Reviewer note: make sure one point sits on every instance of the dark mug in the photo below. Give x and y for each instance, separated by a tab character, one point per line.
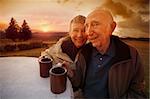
45	65
58	79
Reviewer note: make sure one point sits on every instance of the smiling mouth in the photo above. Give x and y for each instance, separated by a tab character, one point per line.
79	39
92	38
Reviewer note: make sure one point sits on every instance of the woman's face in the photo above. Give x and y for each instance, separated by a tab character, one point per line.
77	34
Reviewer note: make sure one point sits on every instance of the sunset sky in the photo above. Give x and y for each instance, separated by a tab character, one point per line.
132	16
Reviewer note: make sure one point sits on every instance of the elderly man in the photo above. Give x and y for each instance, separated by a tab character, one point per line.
107	67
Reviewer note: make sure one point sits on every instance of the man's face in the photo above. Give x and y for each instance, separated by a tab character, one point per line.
98	29
77	34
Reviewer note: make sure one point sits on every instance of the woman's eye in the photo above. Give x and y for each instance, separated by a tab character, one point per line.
83	30
75	30
86	26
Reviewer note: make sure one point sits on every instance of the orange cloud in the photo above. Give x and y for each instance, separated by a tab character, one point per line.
3	26
135	17
118	8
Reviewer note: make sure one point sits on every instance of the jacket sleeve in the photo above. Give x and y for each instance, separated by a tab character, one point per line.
54	51
78	74
50	52
137	85
46	53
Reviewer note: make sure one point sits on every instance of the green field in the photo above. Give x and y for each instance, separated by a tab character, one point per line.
29	53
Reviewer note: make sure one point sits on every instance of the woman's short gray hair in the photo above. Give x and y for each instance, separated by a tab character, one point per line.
78	19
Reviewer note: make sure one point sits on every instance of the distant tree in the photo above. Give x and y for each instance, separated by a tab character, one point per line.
25	31
13	30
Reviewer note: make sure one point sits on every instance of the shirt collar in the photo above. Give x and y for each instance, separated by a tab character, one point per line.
110	51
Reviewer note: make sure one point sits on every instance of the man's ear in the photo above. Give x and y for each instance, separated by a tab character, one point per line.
113	26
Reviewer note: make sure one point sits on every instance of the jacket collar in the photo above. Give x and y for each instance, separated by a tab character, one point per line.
122	50
58	50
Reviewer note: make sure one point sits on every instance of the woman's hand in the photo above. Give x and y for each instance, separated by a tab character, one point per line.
70	72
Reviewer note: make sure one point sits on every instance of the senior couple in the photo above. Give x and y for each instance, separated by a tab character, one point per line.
99	64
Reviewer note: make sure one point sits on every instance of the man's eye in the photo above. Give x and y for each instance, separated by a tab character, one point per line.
95	24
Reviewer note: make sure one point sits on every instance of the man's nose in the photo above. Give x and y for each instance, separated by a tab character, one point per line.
89	30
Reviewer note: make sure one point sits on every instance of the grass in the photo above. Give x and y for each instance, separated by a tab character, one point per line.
29	53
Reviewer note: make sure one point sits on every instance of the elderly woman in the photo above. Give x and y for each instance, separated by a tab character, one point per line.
66	49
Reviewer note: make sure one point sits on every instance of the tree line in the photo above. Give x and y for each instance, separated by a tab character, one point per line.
15	32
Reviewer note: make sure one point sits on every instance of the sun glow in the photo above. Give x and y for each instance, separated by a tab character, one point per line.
46	28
